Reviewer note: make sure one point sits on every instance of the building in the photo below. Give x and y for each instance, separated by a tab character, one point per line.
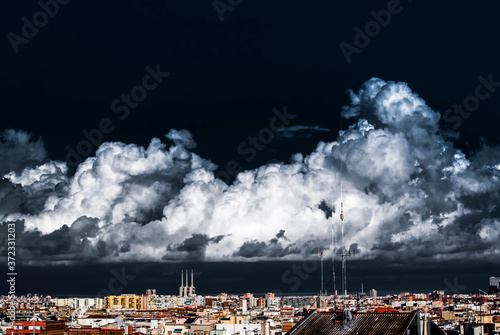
494	285
318	323
26	328
373	293
93	331
244	306
78	302
286	312
222	297
200	300
99	320
54	328
168	301
298	301
273	302
126	301
231	328
151	299
189	326
68	302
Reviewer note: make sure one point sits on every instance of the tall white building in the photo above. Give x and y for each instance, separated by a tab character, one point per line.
274	302
244	306
167	301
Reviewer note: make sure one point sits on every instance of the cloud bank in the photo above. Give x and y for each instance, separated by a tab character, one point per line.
408	193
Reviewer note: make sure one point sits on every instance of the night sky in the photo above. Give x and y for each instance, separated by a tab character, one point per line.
159	135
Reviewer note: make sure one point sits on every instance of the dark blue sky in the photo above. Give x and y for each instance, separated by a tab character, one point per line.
284	278
225	78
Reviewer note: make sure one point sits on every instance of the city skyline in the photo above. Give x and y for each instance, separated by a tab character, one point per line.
225	314
163	136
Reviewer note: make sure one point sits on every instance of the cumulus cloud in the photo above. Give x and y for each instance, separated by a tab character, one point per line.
18	150
19	154
408	194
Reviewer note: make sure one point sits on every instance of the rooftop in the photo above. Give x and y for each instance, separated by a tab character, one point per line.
361	323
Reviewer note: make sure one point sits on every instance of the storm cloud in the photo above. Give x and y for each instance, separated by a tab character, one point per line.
408	194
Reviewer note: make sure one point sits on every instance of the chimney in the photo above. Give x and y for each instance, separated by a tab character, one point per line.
181	289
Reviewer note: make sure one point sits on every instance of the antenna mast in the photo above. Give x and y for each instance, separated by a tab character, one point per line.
320	254
333	253
343	253
344	282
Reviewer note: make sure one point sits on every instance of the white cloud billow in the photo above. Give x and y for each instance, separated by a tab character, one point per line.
408	194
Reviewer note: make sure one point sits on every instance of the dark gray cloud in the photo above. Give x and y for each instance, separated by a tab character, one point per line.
182	137
192	248
272	249
354	249
252	249
298	131
196	242
62	246
19	150
281	234
327	209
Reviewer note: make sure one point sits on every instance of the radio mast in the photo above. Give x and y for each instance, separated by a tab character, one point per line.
344	282
343	254
321	253
334	240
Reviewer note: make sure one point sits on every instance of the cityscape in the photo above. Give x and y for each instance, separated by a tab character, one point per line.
224	314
